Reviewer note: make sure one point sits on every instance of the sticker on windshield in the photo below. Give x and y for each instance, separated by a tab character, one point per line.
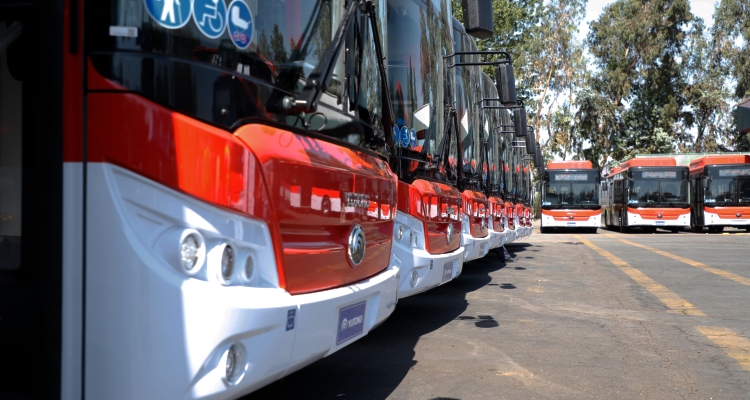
210	16
240	24
412	138
171	14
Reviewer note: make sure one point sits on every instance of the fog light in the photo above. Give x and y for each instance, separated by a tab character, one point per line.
227	263
233	364
189	251
414	278
400	233
249	268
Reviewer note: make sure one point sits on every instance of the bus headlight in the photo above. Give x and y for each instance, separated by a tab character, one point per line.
192	250
227	263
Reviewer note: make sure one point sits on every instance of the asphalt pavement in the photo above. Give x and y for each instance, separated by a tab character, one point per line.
577	315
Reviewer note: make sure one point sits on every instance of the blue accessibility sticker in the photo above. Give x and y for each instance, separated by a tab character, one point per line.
210	17
240	24
171	14
404	136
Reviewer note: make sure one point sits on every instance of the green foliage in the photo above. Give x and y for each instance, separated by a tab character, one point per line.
641	91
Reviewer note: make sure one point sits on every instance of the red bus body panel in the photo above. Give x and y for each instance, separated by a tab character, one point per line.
437	205
476	206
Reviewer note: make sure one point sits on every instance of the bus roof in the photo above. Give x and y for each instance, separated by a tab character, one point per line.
698	164
649	162
569	165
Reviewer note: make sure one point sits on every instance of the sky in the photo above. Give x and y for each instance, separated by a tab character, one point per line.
700	8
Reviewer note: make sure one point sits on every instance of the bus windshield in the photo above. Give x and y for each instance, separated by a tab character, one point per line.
652	188
417	41
728	186
570	189
228	62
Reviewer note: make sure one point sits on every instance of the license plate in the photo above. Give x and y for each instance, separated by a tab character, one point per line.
739	221
660	222
447	271
351	322
571	224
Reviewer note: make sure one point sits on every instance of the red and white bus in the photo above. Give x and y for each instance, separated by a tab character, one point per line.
427	232
172	160
720	192
570	196
647	193
475	237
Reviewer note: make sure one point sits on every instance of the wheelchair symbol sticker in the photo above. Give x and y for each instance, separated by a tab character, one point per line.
240	24
210	16
171	14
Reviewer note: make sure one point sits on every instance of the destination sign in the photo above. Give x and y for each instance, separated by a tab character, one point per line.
734	172
659	174
571	177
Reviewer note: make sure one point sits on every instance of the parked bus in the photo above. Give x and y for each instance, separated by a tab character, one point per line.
475	236
186	159
648	193
492	141
427	233
720	186
570	196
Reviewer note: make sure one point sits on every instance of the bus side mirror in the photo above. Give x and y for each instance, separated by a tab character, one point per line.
704	182
519	122
626	184
531	142
505	82
478	18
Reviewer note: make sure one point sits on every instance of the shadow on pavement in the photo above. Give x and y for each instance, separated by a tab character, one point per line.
374	366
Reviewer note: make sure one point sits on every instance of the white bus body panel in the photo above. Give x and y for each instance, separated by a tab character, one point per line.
154	331
635	219
497	239
432	269
710	218
548	221
474	248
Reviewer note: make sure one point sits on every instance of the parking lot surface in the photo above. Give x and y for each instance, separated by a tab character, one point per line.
577	315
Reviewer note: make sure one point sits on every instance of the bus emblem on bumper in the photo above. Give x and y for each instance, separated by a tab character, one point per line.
357	242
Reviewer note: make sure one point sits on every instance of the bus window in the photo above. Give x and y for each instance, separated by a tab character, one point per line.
10	158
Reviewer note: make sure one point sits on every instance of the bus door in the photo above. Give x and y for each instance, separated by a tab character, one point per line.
30	200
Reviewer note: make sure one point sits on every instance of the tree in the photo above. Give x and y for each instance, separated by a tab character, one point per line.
731	37
639	87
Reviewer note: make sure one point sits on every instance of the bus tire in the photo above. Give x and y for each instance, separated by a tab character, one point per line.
543	229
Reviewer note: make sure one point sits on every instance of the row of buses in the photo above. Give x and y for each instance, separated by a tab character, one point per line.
200	197
671	192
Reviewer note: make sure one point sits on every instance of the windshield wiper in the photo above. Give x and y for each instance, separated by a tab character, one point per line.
317	82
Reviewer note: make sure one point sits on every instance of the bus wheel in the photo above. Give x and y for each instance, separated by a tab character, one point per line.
624	229
543	229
